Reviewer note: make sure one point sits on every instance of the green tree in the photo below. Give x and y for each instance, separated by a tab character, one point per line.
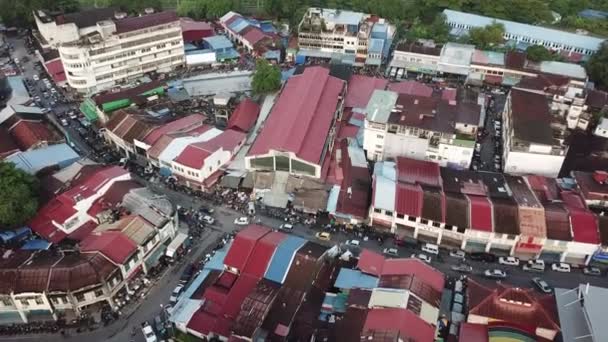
487	36
438	30
266	77
597	67
18	195
538	53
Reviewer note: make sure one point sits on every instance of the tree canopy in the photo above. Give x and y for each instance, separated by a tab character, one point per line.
438	30
597	67
538	53
266	77
18	195
206	9
487	36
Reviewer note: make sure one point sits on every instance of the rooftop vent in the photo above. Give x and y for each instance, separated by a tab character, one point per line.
120	15
149	10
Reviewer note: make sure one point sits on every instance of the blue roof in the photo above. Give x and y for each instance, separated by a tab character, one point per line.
190	47
267	27
593	14
282	258
334	303
272	54
348	279
17	234
239	25
525	30
227	54
36	160
215	263
376	45
36	244
379	31
218	42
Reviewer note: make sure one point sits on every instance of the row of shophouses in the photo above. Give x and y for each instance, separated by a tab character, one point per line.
525	216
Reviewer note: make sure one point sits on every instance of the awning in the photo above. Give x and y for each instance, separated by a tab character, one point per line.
154	257
230	181
212	179
248	181
177	242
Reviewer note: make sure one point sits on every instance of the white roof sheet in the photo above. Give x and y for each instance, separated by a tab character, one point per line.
564	69
342	17
531	31
380	105
177	146
457	54
385	185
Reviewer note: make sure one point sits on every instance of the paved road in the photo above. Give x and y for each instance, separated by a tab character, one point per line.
488	147
57	110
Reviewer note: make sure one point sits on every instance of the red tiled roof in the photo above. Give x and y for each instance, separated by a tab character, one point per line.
481	213
409	326
411	88
183	124
591	188
195	30
471	332
360	89
370	262
545	188
573	199
125	94
202	322
28	134
558	222
114	245
7	145
55	69
144	21
413	171
409	199
584	225
262	253
302	116
243	286
194	155
83	231
243	245
253	35
244	116
113	196
417	268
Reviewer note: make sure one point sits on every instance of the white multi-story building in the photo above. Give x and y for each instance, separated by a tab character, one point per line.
534	138
418	127
325	31
99	51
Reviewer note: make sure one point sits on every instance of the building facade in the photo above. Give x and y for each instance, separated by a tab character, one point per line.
116	50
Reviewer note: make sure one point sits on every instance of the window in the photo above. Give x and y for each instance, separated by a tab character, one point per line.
98	293
379	136
388	213
39	301
423	221
411	218
7	302
436	224
80	297
400	216
376	210
24	302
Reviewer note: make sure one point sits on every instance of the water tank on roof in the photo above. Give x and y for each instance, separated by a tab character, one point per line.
120	15
149	10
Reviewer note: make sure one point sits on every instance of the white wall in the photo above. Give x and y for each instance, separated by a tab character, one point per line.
200	58
405	146
533	163
455	155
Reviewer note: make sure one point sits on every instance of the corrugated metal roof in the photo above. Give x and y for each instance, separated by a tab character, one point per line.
506	216
414	267
218	42
370	262
348	279
409	200
262	253
33	161
384	183
243	246
380	105
524	30
401	324
255	308
282	258
415	171
584	226
360	90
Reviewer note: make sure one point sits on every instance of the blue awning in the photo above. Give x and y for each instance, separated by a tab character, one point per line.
36	244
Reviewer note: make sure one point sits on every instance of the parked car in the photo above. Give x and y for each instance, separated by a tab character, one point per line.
286	226
464	268
458	254
325	236
64	122
482	256
187	274
594	271
175	294
353	242
495	274
431	248
390	251
149	334
422	256
206	210
208	219
561	267
36	78
534	266
511	261
241	221
542	285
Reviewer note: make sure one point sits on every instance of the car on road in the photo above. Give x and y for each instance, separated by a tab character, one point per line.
205	210
534	265
325	236
482	256
458	254
241	221
159	326
511	261
390	251
495	274
36	78
208	219
561	267
594	271
64	122
353	243
464	268
149	334
542	285
422	256
286	226
175	294
431	248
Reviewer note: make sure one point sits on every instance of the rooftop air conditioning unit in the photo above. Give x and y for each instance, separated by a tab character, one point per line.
120	15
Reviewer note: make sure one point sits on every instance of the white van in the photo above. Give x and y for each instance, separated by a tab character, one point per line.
431	248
